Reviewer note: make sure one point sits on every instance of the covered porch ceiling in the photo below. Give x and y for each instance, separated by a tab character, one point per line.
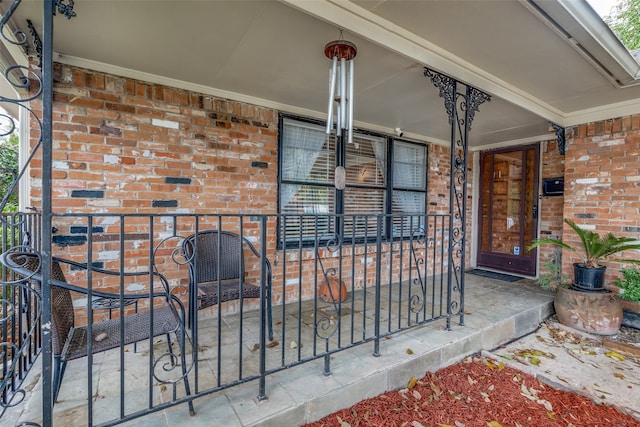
541	60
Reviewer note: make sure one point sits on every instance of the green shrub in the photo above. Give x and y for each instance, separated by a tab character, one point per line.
629	284
9	171
553	277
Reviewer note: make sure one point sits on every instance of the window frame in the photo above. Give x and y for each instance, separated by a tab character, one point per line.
338	204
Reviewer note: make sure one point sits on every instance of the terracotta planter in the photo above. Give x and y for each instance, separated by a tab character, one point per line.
332	290
594	312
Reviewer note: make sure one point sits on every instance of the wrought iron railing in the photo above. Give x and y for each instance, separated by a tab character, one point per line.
20	312
343	291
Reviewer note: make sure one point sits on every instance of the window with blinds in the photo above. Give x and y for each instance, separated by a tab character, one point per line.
307	192
409	188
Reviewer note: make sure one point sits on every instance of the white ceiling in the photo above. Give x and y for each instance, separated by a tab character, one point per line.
271	53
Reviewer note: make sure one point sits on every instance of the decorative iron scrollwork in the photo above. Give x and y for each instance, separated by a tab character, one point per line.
327	321
475	97
30	310
37	43
446	85
561	137
461	108
65	9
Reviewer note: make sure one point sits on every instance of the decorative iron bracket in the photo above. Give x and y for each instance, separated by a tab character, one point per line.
446	85
64	9
561	136
475	98
37	42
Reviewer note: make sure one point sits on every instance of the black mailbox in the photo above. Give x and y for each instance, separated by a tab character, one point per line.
553	186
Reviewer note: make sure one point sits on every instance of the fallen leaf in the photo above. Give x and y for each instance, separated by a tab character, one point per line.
293	344
436	390
273	344
255	347
459	424
343	423
471	380
444	425
416	424
417	394
614	355
546	404
494	424
412	383
489	364
618	375
409	351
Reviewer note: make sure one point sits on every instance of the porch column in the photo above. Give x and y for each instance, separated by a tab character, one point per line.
461	102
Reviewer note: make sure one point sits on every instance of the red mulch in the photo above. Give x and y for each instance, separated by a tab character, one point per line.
477	393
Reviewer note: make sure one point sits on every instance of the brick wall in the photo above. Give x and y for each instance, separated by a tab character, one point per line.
551	207
602	182
127	146
122	145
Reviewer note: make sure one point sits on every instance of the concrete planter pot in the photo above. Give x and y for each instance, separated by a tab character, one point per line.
630	313
593	312
630	309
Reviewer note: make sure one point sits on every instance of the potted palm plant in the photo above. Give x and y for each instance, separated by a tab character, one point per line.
589	274
586	305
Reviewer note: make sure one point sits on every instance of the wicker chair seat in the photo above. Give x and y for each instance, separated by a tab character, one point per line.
229	290
106	334
218	258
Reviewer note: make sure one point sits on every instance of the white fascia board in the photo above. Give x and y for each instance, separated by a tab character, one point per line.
611	111
353	18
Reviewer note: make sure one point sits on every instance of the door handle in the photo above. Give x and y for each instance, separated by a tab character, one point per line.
535	211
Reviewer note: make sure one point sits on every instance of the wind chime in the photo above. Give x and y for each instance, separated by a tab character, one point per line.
342	54
341	86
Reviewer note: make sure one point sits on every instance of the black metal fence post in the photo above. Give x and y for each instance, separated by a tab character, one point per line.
47	133
262	395
376	346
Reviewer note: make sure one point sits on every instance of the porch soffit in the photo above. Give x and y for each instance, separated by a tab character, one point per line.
267	52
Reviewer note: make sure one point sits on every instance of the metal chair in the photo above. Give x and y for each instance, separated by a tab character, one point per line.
222	251
69	341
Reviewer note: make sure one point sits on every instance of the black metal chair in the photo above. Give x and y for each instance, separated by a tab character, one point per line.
223	252
69	341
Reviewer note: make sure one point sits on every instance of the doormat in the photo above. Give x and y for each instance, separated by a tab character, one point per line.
494	275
